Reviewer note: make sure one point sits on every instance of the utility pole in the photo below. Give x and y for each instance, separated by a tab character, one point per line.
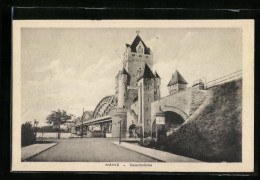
82	118
35	128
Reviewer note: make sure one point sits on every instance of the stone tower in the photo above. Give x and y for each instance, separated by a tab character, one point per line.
157	86
177	83
146	83
122	80
119	113
135	56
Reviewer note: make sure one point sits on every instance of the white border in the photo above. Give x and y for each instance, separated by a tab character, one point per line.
247	164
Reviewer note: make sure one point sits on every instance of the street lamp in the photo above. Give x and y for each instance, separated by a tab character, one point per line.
120	131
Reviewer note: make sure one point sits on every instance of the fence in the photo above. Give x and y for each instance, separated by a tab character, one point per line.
223	79
53	135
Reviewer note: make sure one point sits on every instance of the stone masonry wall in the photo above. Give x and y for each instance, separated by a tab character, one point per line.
197	98
188	101
136	61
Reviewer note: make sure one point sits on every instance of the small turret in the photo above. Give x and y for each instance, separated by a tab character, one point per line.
177	83
122	87
157	86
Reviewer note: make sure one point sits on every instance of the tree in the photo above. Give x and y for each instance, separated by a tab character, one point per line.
57	118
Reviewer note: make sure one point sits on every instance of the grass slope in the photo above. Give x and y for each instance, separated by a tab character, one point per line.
214	133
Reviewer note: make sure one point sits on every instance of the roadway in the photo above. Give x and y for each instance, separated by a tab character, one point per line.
89	150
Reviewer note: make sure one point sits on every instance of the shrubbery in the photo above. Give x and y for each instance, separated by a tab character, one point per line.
214	134
28	135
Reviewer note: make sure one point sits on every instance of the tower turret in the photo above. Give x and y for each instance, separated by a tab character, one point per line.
177	83
146	83
157	86
122	87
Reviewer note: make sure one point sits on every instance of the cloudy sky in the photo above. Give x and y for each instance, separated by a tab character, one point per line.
72	69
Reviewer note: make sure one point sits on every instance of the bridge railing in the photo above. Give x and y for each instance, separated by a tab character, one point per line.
223	79
118	110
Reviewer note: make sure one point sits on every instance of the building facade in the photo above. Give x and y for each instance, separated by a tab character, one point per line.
136	88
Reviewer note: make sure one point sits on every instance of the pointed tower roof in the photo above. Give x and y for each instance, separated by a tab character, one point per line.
123	71
145	73
177	78
136	42
156	75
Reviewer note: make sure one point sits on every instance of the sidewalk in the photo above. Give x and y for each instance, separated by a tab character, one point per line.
35	149
156	154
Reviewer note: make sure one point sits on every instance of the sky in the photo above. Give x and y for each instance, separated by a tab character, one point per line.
74	68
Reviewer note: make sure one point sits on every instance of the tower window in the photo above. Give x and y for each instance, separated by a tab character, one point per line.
133	55
140	55
140	49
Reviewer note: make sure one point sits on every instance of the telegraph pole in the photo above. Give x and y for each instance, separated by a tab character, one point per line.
82	118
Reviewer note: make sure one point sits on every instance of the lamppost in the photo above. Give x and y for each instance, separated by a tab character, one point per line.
120	131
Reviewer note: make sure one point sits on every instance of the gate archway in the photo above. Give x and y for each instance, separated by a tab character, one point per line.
174	117
172	121
132	130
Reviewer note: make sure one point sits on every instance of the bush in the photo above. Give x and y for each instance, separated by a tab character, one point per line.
149	142
28	136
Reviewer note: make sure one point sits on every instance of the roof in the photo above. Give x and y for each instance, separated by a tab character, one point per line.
123	71
156	75
177	78
127	45
145	73
136	42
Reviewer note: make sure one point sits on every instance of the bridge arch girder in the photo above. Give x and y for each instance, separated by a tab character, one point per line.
104	106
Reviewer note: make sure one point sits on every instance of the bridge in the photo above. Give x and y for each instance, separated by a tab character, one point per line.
101	117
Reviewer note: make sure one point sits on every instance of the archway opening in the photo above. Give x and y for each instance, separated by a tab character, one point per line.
132	130
172	121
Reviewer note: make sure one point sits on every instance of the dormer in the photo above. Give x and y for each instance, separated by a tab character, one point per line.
140	48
